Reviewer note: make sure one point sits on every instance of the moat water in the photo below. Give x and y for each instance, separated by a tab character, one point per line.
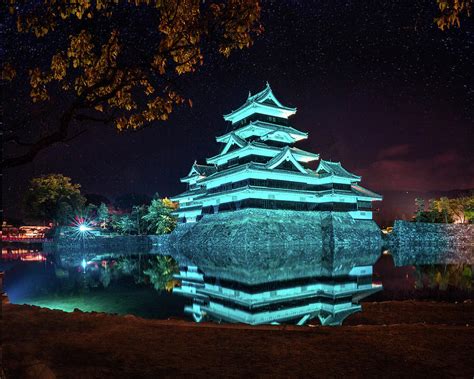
156	286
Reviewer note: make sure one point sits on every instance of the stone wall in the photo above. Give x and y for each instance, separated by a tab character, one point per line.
281	243
250	228
259	243
429	243
101	244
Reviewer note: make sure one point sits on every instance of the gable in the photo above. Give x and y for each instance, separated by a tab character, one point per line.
233	143
322	170
193	171
286	161
287	165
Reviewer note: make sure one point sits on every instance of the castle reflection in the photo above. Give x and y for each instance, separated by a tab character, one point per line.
310	284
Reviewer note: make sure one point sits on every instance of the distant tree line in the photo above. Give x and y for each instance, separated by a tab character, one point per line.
55	198
445	210
155	218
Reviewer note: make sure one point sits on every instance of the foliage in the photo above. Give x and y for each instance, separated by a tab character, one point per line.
161	273
122	61
130	223
123	224
462	208
159	216
105	277
443	277
444	210
419	210
53	198
126	265
103	215
130	266
443	207
138	212
458	209
451	11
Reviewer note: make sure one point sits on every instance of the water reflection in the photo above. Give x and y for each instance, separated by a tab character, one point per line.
331	299
445	282
411	254
23	254
291	284
275	285
119	283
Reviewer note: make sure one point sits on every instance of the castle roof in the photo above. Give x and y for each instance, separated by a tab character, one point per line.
263	129
199	170
259	148
335	168
359	190
205	170
262	102
285	155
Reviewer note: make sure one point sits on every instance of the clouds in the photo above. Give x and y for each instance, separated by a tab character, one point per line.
394	151
395	170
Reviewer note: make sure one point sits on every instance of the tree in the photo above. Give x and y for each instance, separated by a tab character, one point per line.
461	207
419	210
432	213
107	62
138	211
123	224
442	205
53	198
451	12
103	215
159	216
469	208
161	272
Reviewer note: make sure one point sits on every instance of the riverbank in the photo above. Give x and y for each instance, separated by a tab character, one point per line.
390	339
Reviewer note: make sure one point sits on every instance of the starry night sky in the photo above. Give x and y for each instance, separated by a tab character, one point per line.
377	86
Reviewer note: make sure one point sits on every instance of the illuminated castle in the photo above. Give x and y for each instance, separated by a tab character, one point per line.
258	167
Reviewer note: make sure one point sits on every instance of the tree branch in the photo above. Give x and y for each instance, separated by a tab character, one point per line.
59	135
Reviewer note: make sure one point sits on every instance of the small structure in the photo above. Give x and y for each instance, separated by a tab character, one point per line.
259	167
25	234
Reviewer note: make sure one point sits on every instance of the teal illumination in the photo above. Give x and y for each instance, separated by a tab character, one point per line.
259	167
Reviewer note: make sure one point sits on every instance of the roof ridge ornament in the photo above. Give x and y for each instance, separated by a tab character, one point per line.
264	102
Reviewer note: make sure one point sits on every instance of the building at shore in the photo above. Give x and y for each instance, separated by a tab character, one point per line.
258	166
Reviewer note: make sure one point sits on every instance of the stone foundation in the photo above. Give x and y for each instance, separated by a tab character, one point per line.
275	244
427	243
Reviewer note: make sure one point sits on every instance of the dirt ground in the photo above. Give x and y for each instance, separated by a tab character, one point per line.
388	339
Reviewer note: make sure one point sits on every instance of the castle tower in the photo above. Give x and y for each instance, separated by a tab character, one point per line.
259	167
